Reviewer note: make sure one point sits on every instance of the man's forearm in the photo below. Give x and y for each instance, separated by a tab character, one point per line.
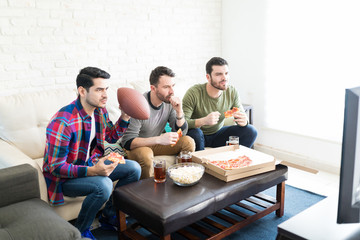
143	142
199	122
180	119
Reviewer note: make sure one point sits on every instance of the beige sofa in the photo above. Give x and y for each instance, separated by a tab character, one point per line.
23	121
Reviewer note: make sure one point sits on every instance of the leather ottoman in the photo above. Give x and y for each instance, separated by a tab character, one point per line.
165	207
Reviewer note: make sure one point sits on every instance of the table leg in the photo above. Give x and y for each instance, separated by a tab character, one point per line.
280	198
121	224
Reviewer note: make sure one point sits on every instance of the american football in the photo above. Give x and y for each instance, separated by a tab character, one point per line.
133	103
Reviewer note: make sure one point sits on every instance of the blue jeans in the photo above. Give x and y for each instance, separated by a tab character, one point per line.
247	136
98	190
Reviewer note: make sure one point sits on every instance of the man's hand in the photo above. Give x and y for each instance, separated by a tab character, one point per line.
168	138
101	169
212	118
176	104
240	118
123	115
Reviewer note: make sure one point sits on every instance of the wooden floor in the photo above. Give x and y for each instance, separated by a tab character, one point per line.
322	183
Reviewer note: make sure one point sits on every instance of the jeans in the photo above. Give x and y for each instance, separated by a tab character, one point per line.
98	190
247	136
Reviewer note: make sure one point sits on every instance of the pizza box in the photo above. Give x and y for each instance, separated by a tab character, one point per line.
229	178
261	162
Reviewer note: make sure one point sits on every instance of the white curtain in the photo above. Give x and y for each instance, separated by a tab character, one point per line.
312	55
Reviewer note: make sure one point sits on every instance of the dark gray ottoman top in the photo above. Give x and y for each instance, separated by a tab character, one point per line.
166	207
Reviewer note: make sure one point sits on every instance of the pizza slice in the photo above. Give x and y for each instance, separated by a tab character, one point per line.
116	158
230	113
235	163
224	164
179	132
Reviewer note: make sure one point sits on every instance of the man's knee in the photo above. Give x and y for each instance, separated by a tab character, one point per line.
144	156
252	131
187	143
198	136
247	135
135	168
104	188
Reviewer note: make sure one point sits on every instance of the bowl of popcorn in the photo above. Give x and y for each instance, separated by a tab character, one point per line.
186	174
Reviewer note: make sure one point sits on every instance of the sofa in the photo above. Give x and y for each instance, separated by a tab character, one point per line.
23	214
23	121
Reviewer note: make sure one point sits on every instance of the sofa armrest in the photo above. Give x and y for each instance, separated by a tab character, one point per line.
12	156
18	183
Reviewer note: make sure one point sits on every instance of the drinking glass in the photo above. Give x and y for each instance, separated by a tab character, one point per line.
159	170
185	156
233	140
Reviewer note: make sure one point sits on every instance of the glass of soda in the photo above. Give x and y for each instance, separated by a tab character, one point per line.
185	156
233	140
159	170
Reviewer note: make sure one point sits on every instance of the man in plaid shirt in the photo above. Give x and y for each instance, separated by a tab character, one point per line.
74	164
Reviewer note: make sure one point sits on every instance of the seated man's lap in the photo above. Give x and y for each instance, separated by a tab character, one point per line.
185	143
145	155
198	137
126	173
129	172
87	185
247	136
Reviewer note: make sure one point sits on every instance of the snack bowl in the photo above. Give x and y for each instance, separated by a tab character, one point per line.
186	174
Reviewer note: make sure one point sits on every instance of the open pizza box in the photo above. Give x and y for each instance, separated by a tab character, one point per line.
261	162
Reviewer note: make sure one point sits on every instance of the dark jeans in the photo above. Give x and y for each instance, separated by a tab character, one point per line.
247	136
98	190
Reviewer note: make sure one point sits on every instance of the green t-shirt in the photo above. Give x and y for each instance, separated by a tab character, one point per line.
197	104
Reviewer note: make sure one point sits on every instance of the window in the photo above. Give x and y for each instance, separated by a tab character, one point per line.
312	55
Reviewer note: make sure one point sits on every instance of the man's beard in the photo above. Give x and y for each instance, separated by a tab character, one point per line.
165	99
218	86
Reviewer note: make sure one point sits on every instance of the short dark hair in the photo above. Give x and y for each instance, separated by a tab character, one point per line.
217	61
158	72
86	75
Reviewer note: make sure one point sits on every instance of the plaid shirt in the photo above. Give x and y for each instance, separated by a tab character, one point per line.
67	142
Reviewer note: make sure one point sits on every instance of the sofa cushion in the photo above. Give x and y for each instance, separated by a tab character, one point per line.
115	147
18	184
24	118
34	219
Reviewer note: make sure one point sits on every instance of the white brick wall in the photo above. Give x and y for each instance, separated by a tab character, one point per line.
44	43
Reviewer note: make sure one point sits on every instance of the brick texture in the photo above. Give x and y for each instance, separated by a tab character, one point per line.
43	44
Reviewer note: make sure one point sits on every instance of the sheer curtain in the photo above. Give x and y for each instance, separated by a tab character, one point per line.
312	55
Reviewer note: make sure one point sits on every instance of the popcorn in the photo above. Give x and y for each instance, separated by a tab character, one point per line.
186	174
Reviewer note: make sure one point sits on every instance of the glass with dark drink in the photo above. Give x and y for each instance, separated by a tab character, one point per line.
185	156
233	140
159	170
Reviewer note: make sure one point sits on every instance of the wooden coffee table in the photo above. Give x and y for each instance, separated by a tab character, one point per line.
165	208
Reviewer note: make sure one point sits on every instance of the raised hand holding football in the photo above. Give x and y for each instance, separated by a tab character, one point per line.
133	103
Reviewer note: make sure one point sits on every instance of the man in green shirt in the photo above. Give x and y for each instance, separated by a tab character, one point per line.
204	106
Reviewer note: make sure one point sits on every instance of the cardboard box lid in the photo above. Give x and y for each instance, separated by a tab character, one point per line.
259	159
